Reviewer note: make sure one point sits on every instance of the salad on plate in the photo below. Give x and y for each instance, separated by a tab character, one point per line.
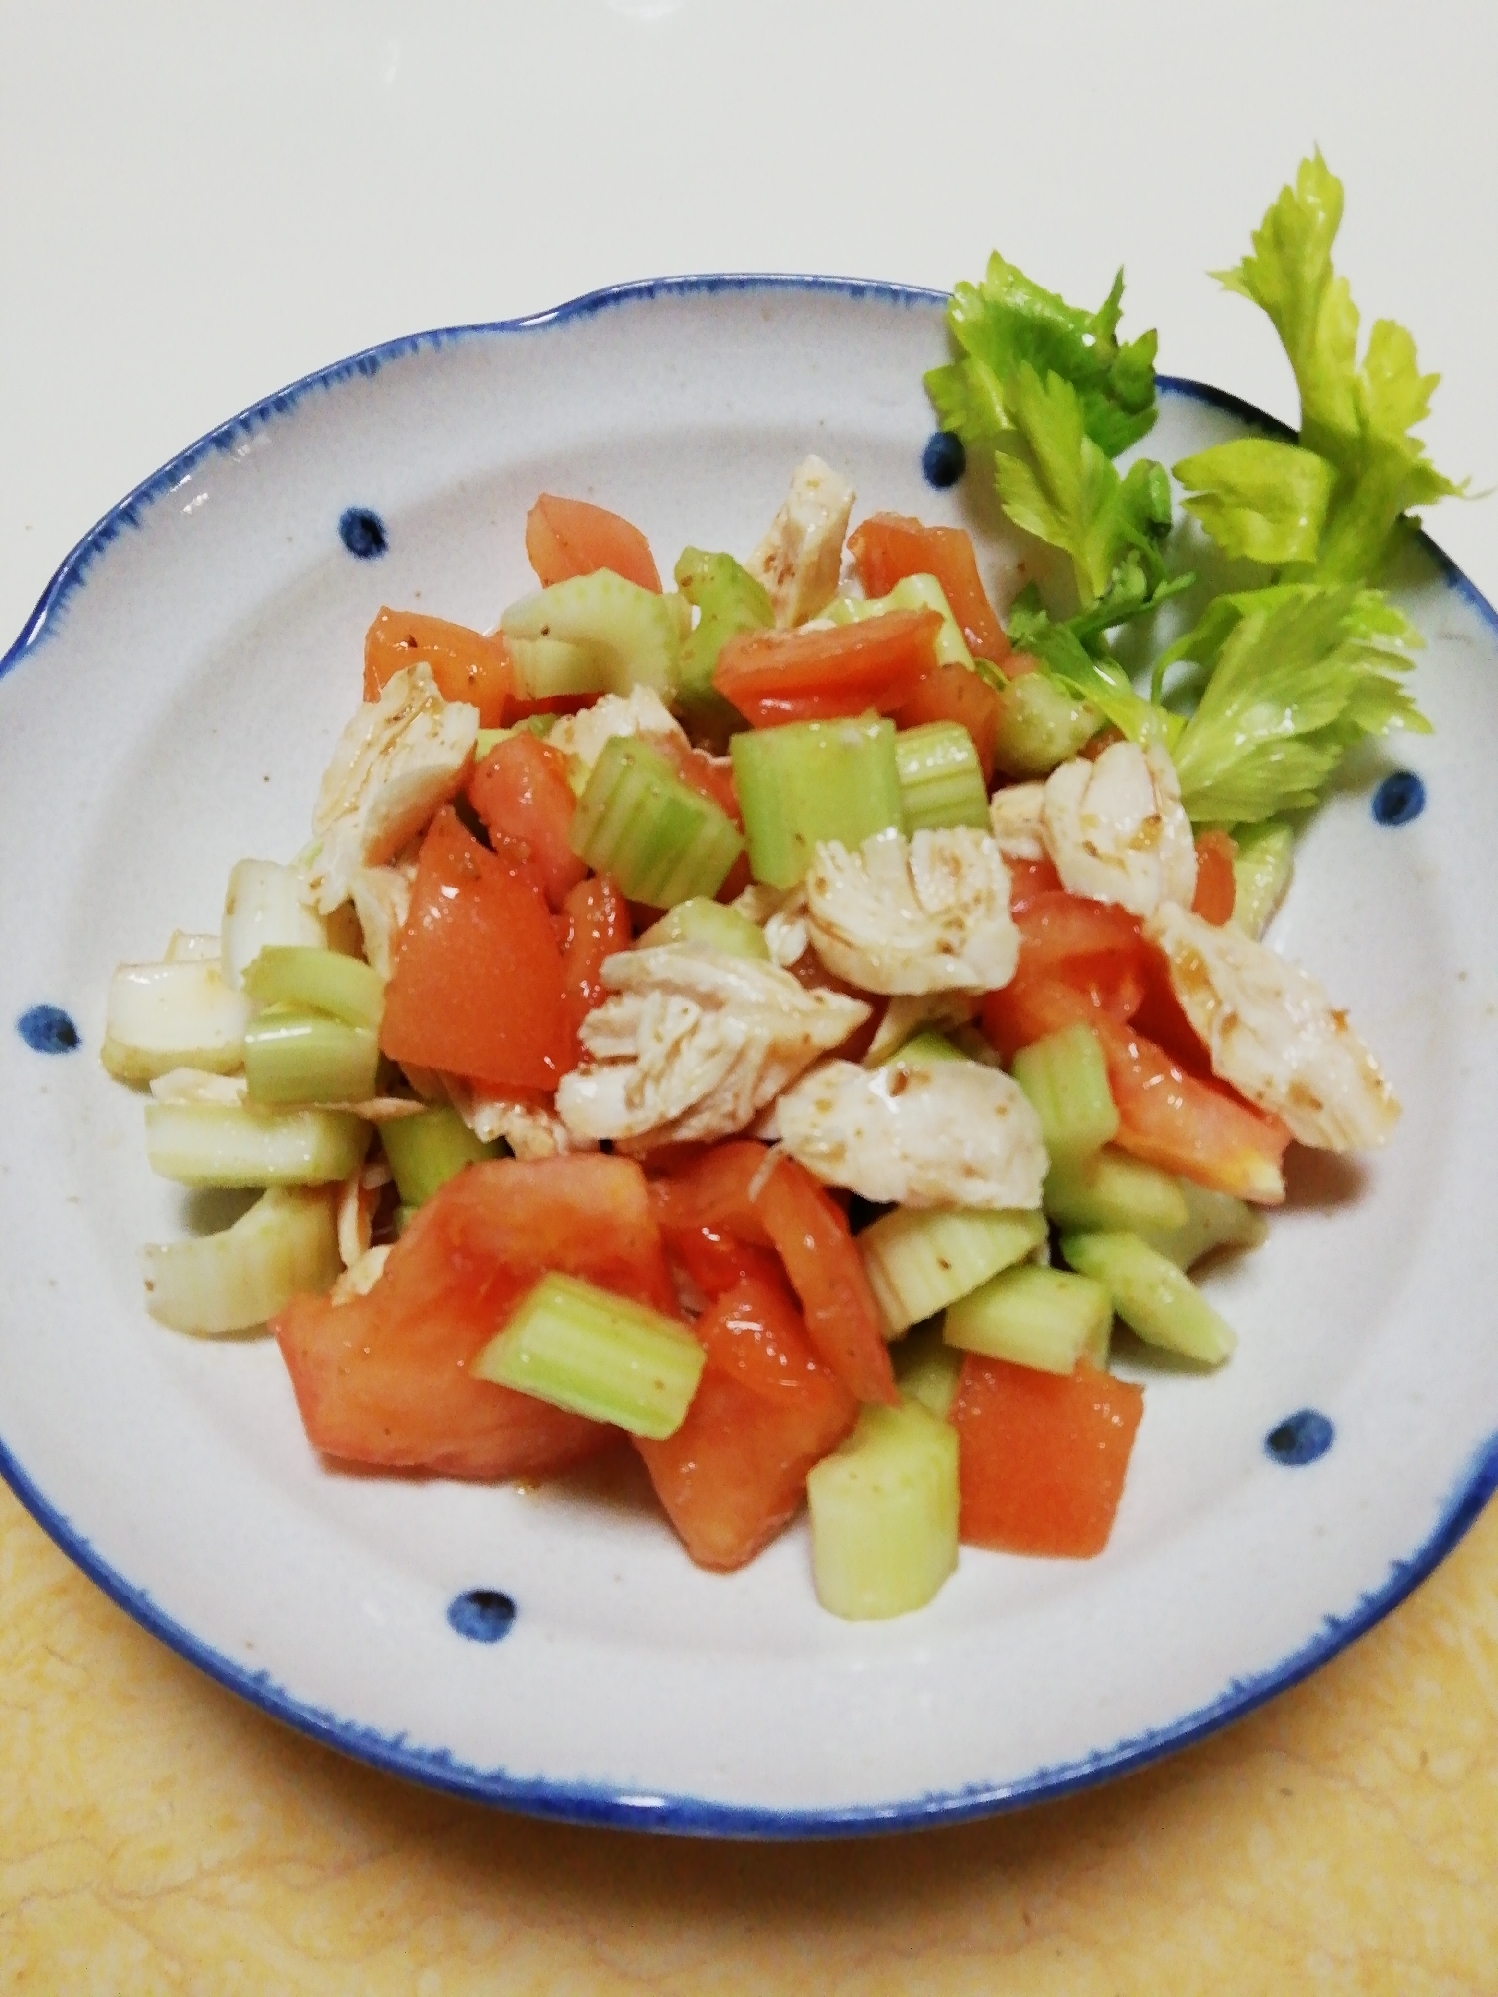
790	1018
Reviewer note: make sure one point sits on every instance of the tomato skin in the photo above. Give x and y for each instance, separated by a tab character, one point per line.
889	546
1043	1456
716	1260
1055	928
811	1234
465	664
478	984
383	1378
520	791
713	1190
597	923
755	1332
1216	884
953	693
1029	879
822	675
572	537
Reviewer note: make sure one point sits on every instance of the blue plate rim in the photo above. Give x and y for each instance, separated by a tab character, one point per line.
606	1806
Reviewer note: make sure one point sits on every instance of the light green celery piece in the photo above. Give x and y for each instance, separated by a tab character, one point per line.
1297	681
1152	1296
325	980
636	635
925	1045
884	1514
1065	1076
292	1055
285	1246
1041	724
487	739
708	925
1262	866
1045	1318
1259	498
1213	1220
546	668
728	601
598	1354
174	1015
656	837
927	1369
1358	416
941	779
265	903
216	1144
811	781
427	1150
920	1260
918	592
1113	1191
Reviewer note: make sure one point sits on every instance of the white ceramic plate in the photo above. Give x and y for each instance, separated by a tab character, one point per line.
170	708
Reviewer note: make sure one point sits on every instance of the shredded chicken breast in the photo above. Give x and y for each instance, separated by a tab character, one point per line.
531	1129
639	712
1015	814
800	559
928	914
1116	829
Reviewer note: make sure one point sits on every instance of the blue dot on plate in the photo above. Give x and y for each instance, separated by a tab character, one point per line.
1300	1438
943	460
483	1615
47	1029
362	533
1399	798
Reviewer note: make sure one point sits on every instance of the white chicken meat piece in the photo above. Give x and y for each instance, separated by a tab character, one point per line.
382	900
694	1044
923	1133
639	712
800	560
928	914
1271	1032
397	763
531	1129
1116	829
1014	817
781	914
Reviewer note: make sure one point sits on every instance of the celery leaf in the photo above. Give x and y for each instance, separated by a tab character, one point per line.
1260	499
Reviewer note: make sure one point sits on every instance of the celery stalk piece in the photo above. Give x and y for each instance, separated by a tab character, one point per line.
729	600
213	1144
1213	1220
927	1368
1046	1318
1262	867
635	635
546	667
292	1055
323	980
918	592
884	1514
425	1151
285	1246
925	1045
1113	1192
708	925
1151	1295
265	903
661	841
600	1355
1065	1077
810	781
176	1015
941	779
487	739
1041	725
919	1261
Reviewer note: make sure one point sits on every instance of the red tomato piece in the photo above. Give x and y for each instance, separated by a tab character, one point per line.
815	1243
889	546
713	1190
755	1332
1028	879
572	537
383	1378
717	1260
520	791
952	693
1043	1456
598	925
478	984
818	675
465	664
1216	884
1055	928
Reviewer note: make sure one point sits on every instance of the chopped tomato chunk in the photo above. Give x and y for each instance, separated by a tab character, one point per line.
953	693
520	791
713	1190
478	985
889	546
1216	884
1043	1456
1029	879
383	1379
716	1259
597	923
815	1243
465	664
818	675
572	537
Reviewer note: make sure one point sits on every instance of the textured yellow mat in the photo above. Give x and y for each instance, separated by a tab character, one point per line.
158	1836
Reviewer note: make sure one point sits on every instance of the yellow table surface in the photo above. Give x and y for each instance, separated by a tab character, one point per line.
156	1835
